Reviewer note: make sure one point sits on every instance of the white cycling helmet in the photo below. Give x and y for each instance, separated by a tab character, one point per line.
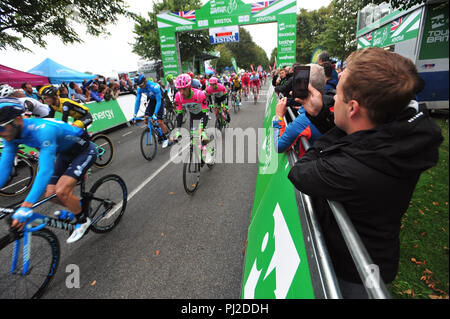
6	90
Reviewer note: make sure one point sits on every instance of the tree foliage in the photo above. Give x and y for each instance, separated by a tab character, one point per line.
310	25
246	52
147	39
35	19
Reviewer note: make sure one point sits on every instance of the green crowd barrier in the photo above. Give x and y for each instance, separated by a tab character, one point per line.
276	263
105	115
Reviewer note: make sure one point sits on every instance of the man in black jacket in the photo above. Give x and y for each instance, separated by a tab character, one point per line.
370	161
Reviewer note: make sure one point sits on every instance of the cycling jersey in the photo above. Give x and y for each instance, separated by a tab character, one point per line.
153	92
50	137
245	80
197	106
236	83
32	106
80	113
217	93
220	94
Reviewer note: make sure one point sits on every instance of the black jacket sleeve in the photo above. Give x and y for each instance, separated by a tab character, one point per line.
324	121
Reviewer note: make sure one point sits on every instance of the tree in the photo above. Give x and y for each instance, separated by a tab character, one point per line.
273	56
147	43
246	52
310	25
35	19
225	58
339	38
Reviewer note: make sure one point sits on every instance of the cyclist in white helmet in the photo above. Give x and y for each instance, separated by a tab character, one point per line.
32	106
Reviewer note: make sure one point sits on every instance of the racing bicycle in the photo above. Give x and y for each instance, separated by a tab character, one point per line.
151	136
29	258
196	159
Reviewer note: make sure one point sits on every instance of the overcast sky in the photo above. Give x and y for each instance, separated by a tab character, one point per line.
109	54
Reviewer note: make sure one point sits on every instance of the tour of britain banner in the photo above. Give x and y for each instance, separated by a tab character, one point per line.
224	13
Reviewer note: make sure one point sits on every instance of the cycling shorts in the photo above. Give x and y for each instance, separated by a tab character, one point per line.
74	163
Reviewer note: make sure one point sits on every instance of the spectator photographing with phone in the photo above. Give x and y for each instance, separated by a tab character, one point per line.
370	161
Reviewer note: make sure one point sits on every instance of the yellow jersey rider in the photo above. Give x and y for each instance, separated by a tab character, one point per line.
80	113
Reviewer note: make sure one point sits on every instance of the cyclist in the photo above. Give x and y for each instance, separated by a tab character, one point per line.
245	80
220	94
170	87
196	103
31	105
236	86
65	156
155	106
80	113
254	81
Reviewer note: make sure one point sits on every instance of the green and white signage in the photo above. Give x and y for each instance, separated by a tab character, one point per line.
223	13
401	29
435	34
276	262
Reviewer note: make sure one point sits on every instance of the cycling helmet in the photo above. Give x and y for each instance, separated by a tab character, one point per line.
196	84
183	81
191	74
48	90
140	79
169	77
6	90
9	111
213	80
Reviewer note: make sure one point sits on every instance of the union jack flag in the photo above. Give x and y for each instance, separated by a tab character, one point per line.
396	23
369	36
190	15
258	6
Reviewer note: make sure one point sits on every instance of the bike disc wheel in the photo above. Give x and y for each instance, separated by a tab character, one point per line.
44	260
107	203
149	144
21	179
191	173
105	149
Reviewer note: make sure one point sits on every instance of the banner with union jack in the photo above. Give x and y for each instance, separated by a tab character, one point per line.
396	23
190	15
369	36
258	6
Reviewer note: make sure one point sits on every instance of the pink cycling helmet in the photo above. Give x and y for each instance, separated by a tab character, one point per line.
213	80
183	81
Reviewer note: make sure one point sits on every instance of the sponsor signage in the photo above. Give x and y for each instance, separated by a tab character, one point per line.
224	34
228	13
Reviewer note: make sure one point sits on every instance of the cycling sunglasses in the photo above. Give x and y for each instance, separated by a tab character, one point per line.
3	125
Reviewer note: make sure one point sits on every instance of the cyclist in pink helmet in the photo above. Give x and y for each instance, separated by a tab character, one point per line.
195	102
220	94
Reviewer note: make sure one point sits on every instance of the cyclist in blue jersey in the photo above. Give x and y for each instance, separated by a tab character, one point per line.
65	156
155	106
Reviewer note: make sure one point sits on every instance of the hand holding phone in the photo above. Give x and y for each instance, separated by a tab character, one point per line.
301	81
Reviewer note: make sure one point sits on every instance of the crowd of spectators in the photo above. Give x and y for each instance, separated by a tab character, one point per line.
370	142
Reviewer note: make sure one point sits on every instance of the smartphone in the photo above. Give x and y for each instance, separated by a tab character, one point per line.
301	81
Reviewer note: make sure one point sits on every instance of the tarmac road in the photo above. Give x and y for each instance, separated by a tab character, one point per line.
168	244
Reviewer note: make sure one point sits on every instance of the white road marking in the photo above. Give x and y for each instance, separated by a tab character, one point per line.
145	182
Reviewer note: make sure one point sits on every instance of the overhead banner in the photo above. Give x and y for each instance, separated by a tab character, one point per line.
227	13
224	34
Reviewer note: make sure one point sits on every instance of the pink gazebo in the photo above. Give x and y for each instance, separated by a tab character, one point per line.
15	78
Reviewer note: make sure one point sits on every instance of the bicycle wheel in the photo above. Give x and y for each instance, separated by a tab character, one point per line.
107	203
191	172
105	150
149	144
21	178
44	260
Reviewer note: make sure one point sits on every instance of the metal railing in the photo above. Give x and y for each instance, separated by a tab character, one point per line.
373	283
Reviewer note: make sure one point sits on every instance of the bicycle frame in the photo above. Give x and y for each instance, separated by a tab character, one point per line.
44	221
152	125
